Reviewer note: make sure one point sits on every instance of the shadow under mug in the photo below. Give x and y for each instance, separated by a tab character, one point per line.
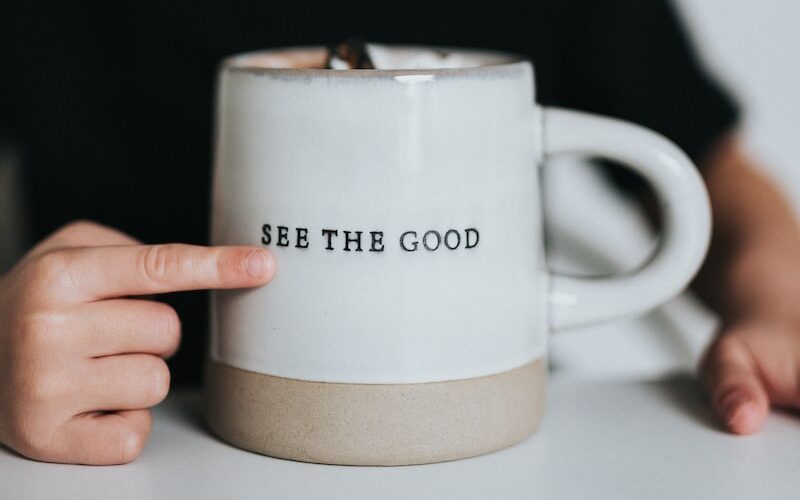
409	315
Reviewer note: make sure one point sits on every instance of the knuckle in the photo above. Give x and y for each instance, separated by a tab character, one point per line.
46	387
79	225
51	267
159	262
69	231
37	334
39	330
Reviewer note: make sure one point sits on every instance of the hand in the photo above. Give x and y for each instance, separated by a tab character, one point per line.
755	363
752	279
80	357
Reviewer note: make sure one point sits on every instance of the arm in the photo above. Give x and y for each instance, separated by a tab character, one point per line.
752	278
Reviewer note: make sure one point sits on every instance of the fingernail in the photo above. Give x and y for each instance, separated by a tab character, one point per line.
257	263
731	404
739	411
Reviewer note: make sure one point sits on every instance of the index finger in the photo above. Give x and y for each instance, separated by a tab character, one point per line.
115	271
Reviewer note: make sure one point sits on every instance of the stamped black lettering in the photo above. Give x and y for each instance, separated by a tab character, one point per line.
447	239
426	240
283	236
352	239
301	241
377	241
329	234
414	243
266	237
471	243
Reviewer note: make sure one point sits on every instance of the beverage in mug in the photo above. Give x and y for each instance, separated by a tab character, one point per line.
408	319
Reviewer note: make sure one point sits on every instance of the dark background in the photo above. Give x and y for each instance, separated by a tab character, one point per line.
110	103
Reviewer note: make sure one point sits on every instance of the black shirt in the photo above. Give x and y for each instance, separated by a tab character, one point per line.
110	102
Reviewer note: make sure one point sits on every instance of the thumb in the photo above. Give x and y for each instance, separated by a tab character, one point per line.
730	375
84	233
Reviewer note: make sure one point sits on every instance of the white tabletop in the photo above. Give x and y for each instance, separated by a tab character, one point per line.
599	440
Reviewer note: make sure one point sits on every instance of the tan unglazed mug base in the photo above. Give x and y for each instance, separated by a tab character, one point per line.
374	424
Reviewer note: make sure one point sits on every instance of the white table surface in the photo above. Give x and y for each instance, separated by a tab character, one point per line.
613	440
608	433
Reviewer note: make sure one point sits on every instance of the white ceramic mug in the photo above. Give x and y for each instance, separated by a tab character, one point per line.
404	212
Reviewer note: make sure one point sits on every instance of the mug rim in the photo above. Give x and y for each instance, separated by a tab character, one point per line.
503	63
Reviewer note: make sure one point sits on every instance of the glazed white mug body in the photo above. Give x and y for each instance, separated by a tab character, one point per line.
404	212
403	208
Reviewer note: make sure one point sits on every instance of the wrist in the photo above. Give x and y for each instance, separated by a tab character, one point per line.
758	284
761	298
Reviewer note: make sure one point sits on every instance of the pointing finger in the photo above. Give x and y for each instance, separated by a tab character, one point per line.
114	271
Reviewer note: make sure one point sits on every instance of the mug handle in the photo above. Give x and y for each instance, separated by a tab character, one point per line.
683	201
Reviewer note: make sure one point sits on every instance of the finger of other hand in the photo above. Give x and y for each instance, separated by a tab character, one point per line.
737	394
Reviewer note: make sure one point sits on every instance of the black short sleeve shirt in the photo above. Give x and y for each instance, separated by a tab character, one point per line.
110	102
